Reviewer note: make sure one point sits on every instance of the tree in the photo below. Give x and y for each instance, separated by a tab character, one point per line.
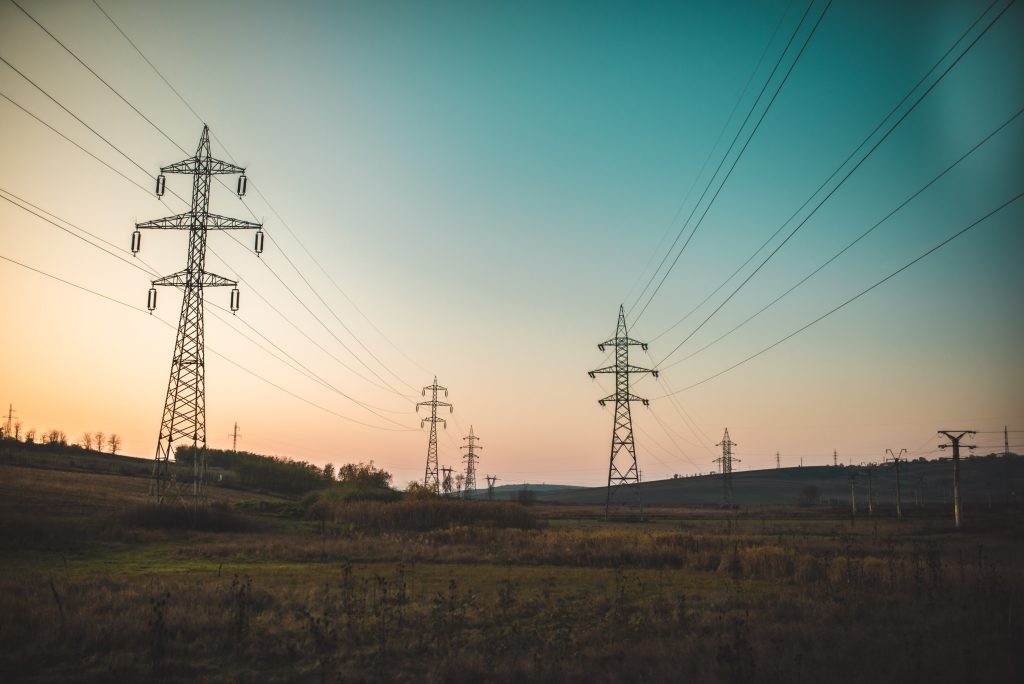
114	442
329	471
99	440
17	429
809	496
56	438
86	440
30	436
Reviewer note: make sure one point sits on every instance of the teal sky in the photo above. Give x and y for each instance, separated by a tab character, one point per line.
487	182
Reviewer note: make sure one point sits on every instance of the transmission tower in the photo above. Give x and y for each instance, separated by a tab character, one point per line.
446	481
897	458
778	463
622	429
835	458
234	438
184	417
430	478
9	426
954	438
726	460
491	479
470	457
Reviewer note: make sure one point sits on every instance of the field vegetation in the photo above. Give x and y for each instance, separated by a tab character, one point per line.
96	586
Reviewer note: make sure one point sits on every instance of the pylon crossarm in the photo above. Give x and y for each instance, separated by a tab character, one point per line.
187	220
208	165
206	279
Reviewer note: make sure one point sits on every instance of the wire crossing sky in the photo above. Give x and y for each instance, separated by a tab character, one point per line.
468	190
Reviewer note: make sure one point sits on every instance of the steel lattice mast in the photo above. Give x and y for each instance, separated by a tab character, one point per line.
470	458
620	473
726	460
184	416
430	477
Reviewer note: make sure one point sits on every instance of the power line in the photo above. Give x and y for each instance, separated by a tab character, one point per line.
835	256
855	297
841	182
743	149
839	168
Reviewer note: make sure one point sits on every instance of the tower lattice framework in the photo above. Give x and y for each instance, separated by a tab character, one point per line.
430	477
470	457
184	415
725	460
622	464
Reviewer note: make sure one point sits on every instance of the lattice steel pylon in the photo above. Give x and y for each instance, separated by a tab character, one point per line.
470	457
184	416
622	428
430	478
726	460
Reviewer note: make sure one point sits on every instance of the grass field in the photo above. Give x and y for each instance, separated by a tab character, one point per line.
91	591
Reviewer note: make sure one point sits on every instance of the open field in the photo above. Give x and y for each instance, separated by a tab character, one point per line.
91	591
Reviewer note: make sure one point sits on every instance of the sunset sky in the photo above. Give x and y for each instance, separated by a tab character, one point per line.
470	190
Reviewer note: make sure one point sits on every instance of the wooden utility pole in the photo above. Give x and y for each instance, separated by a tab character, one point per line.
954	437
871	498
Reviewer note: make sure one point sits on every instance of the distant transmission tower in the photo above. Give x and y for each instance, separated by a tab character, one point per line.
430	478
470	458
726	460
778	463
622	430
234	438
446	481
835	458
184	417
491	479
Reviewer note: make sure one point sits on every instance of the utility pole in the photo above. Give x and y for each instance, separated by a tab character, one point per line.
491	479
446	481
726	460
184	416
897	458
853	493
470	458
871	496
622	429
835	458
777	462
430	478
954	437
234	438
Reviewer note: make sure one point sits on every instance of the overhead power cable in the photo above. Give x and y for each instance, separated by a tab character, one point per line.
860	237
856	166
839	168
855	297
743	149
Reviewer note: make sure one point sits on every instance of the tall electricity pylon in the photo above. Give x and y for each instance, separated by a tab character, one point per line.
470	458
430	478
446	481
726	460
622	428
184	417
491	479
954	438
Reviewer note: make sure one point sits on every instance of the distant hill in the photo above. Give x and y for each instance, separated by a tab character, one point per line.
924	482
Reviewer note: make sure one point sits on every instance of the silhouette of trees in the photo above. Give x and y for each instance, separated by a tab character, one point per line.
114	442
329	471
56	438
98	437
30	436
86	441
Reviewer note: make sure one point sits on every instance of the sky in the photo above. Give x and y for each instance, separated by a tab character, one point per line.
471	190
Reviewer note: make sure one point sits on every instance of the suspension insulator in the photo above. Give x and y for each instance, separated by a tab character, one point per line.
243	182
161	184
136	242
258	245
234	299
151	299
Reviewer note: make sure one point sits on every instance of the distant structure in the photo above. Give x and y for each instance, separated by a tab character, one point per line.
778	463
446	481
9	426
835	458
491	479
852	476
726	460
470	457
234	438
897	458
184	417
625	472
954	438
430	477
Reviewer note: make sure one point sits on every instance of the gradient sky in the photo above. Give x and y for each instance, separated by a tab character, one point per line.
487	182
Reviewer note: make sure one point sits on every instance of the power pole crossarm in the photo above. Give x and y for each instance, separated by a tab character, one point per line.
954	438
202	164
185	221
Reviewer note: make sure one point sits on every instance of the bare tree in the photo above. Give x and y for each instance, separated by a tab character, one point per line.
114	442
329	471
86	440
98	436
17	429
56	437
30	436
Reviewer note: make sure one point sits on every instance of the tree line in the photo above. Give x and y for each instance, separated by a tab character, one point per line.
58	439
